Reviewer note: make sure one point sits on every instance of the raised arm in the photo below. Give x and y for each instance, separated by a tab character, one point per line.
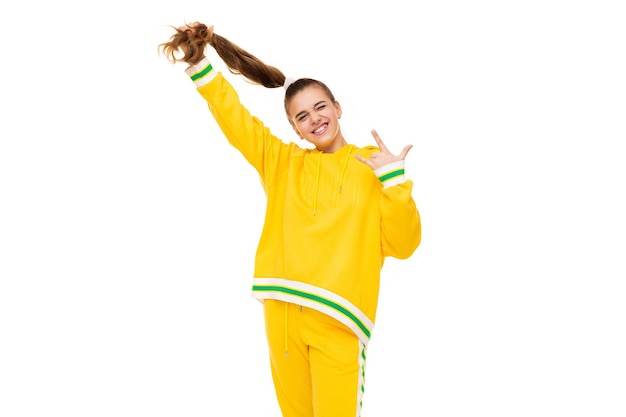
243	130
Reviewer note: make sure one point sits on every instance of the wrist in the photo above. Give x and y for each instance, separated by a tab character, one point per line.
391	174
202	72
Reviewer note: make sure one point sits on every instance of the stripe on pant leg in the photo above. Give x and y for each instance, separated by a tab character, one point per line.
361	389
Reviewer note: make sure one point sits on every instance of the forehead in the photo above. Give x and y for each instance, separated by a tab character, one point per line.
307	98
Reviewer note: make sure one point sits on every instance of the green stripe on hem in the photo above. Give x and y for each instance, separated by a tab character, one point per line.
391	174
202	73
317	298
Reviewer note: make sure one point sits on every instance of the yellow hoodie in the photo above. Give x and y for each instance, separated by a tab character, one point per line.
330	220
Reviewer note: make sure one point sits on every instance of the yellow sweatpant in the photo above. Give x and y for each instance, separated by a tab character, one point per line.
318	364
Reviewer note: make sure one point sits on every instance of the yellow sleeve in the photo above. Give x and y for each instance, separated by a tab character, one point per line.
401	227
245	132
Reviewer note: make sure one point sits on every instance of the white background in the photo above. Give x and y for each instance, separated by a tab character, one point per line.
128	226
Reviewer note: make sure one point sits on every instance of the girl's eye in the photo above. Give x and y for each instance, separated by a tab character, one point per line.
301	118
320	107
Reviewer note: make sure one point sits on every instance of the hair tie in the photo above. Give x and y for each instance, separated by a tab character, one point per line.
288	82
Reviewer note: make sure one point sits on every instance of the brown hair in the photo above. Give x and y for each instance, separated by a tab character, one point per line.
193	41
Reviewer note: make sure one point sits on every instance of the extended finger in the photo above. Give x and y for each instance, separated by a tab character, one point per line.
379	141
405	151
365	161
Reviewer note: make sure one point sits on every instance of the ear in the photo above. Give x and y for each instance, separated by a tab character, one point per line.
295	129
338	109
293	126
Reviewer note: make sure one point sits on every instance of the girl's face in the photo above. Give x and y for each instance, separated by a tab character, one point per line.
315	118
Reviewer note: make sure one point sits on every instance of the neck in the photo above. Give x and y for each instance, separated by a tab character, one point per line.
333	147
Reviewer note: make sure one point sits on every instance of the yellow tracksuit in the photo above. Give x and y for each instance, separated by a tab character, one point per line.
330	222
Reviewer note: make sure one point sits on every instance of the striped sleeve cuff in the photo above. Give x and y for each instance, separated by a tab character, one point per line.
201	73
391	174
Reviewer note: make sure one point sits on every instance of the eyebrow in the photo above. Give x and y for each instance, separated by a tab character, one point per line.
314	106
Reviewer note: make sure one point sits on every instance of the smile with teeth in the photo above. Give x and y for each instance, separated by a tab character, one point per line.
320	129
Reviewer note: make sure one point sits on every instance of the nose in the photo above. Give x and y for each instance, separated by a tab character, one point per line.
315	117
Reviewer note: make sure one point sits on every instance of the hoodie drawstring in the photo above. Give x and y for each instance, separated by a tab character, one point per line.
343	171
317	182
317	175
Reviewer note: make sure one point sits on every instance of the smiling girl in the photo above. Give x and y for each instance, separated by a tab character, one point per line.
333	214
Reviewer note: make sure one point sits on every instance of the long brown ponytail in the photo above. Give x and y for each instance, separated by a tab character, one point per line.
192	41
